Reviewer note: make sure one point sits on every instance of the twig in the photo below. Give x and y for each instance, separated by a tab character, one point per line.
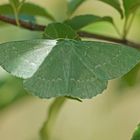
37	27
23	24
107	38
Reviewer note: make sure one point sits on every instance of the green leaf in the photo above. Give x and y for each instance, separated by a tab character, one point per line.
136	135
130	6
114	3
53	113
81	21
131	78
59	30
6	9
35	10
11	90
73	5
26	9
15	2
80	69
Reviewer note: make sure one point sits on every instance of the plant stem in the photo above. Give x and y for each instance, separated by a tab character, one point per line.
117	30
15	13
125	28
37	27
128	24
46	130
16	10
20	5
17	20
131	21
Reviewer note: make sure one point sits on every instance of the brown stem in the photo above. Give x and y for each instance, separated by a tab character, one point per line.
23	24
100	37
37	27
107	38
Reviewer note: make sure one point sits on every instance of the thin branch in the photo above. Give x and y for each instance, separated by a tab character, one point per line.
100	37
131	21
23	24
37	27
107	38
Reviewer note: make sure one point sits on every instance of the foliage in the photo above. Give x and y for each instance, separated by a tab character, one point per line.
81	21
10	90
130	6
73	5
76	73
61	62
116	4
28	9
136	135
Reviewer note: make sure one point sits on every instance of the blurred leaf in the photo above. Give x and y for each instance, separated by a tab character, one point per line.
10	91
28	18
15	2
136	135
59	30
66	67
81	21
35	10
73	5
2	82
114	3
21	17
6	9
28	9
130	6
130	79
53	112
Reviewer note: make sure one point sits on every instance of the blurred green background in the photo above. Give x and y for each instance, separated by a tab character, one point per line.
112	115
